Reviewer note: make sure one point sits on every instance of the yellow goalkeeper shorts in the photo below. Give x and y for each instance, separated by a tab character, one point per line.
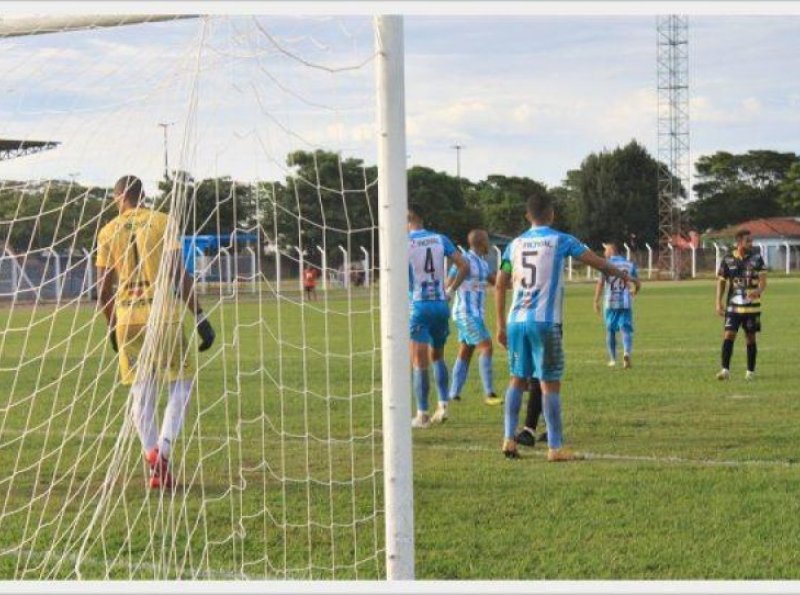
164	356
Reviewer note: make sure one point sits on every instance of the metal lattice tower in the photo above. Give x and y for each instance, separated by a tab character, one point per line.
673	133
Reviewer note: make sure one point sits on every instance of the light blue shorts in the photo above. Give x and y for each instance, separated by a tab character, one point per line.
619	319
535	350
429	322
472	330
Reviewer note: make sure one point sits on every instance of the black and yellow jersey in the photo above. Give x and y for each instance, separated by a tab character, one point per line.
743	271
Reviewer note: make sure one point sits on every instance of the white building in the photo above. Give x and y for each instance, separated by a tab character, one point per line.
776	237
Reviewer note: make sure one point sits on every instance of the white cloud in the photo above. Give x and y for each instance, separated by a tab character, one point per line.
629	115
527	96
752	105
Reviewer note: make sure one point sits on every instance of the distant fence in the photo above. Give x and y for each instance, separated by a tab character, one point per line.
49	276
686	263
54	277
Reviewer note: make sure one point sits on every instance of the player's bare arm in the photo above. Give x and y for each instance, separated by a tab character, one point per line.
462	270
602	265
719	303
185	286
501	283
637	285
762	285
107	301
598	292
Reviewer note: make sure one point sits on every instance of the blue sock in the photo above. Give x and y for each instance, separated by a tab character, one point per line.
551	407
421	388
460	371
513	402
627	342
440	376
611	344
485	367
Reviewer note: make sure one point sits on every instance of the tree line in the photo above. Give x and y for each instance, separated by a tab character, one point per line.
328	200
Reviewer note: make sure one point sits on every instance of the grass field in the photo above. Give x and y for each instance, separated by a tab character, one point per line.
687	477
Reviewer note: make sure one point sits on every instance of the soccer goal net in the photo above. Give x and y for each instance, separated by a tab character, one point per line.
258	142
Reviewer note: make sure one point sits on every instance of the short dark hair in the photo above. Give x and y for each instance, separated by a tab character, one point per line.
538	205
414	216
742	233
130	187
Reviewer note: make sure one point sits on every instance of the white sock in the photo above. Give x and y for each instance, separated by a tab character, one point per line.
179	393
143	409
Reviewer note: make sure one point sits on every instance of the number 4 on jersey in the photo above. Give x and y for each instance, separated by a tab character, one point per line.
429	268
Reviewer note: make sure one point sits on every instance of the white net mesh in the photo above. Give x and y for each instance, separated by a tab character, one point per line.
267	125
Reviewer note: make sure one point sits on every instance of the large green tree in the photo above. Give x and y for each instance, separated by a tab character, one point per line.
440	199
52	213
613	196
789	190
327	201
501	200
213	206
735	187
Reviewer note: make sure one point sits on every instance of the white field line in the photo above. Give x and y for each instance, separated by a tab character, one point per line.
541	453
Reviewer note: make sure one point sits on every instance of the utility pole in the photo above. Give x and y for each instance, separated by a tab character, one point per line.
165	126
458	159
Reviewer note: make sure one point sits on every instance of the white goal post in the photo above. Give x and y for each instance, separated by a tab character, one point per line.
389	276
396	370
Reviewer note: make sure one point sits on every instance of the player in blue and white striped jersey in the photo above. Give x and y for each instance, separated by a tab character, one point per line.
429	319
617	304
533	264
469	310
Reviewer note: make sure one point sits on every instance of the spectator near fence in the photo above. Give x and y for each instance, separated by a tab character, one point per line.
310	282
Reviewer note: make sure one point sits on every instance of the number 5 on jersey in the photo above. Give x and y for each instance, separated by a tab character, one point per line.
529	268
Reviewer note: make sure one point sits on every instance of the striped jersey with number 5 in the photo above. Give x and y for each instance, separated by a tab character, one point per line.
535	261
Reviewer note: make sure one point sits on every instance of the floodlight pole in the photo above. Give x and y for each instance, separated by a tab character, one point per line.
395	364
458	148
165	126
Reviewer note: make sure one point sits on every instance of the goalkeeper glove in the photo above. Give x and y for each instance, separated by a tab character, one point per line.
112	338
205	331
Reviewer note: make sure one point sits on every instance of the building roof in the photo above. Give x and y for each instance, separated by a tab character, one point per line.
774	227
9	149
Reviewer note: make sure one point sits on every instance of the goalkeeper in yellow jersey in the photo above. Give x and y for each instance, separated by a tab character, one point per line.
145	324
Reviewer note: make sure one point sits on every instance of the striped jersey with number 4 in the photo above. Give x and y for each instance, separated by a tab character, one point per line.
426	265
535	261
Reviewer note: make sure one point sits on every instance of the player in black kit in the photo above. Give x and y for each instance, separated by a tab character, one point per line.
744	274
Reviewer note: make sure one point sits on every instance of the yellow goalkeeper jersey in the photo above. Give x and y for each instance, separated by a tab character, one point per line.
133	244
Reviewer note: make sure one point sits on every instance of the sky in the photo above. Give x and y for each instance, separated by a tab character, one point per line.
524	95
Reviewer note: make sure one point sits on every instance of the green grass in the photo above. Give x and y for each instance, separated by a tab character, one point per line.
688	478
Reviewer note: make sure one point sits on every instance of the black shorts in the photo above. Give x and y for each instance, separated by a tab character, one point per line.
750	323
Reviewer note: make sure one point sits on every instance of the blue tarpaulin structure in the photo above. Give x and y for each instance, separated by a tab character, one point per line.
205	244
